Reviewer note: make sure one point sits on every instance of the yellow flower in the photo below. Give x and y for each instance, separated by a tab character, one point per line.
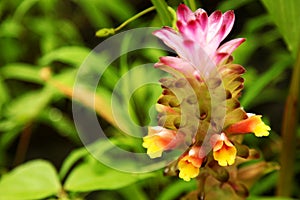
223	150
189	165
158	140
253	124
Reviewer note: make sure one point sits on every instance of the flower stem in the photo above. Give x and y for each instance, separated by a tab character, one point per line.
287	157
108	31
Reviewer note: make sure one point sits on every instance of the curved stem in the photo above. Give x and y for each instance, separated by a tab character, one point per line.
134	18
287	157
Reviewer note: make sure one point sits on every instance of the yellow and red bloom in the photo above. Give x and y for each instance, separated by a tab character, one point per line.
160	139
189	164
253	124
223	150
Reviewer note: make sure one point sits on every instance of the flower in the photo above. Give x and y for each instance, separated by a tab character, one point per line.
198	41
253	124
189	165
160	139
200	71
223	150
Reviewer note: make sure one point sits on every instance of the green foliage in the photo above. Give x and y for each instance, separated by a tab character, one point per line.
287	17
34	180
91	176
43	45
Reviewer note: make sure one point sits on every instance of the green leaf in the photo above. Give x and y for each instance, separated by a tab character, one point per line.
27	106
99	146
232	5
33	180
23	8
60	122
4	96
287	17
91	176
21	71
174	190
72	158
73	55
162	8
261	82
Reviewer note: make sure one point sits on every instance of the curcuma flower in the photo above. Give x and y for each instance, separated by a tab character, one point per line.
202	67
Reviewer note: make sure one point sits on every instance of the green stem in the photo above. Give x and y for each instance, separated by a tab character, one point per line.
287	157
108	31
134	18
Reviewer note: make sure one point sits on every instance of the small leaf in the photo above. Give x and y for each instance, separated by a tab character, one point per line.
33	180
21	71
73	55
91	176
72	158
28	106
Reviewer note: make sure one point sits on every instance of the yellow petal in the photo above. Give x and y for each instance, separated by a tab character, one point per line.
261	129
224	153
187	170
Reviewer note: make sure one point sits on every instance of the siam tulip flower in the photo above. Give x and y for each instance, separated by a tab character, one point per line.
190	163
207	67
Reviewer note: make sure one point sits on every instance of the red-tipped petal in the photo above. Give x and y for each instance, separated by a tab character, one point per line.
184	14
172	39
230	46
176	63
228	21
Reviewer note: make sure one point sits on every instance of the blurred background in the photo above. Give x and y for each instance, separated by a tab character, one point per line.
43	43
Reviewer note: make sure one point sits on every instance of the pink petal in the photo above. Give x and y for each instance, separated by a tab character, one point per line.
215	21
203	19
176	63
230	46
228	21
172	40
219	57
189	30
184	14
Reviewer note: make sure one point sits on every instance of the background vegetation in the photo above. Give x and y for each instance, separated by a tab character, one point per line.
43	43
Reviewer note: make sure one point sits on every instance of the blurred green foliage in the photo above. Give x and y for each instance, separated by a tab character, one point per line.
43	43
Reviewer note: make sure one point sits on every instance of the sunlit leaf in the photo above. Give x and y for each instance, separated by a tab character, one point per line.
73	55
72	158
26	107
23	8
21	71
33	180
95	176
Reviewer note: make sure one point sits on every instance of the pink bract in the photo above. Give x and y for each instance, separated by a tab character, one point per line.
198	39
